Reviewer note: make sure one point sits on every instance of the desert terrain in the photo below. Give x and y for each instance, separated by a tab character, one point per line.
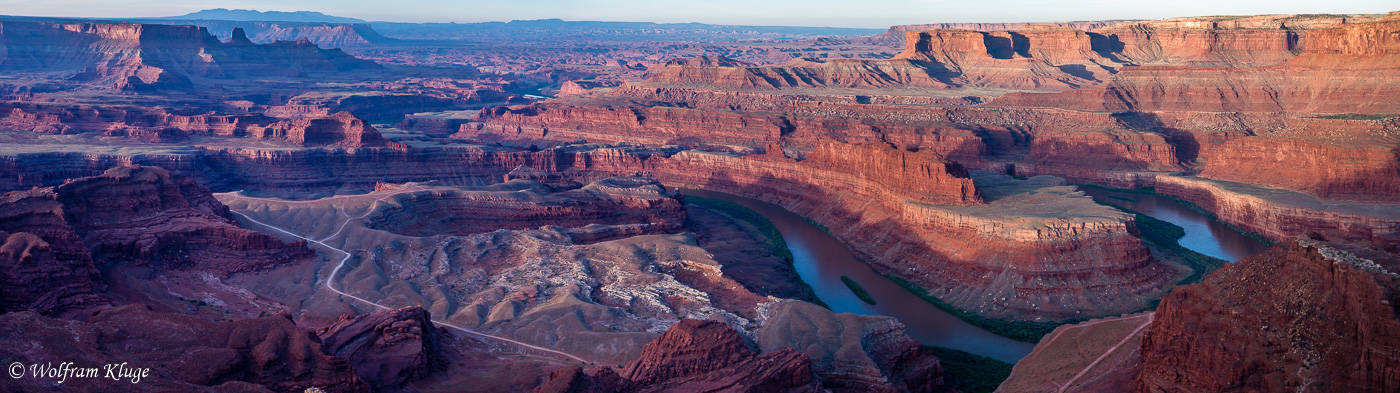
281	202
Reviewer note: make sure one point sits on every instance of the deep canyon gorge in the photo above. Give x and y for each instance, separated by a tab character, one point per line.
1194	204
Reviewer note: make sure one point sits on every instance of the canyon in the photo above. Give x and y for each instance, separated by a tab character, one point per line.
373	206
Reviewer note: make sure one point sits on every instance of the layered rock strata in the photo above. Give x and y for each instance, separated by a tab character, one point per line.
387	348
1328	170
695	355
424	96
341	130
48	269
1275	214
139	123
852	353
973	136
640	202
1281	215
929	245
143	57
324	35
182	352
840	353
1344	69
34	277
1038	58
146	216
895	35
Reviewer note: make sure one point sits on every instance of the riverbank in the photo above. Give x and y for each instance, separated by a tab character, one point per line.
1167	237
1189	205
1029	332
821	260
971	373
763	228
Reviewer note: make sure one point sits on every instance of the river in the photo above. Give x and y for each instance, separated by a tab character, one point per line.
821	260
1203	234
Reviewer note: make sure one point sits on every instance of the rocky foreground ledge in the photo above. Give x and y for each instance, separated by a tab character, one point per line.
1307	316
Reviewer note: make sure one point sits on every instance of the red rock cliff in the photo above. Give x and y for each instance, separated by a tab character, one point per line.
1349	68
148	216
639	202
341	129
387	348
47	269
184	353
918	176
1303	316
32	277
142	57
695	355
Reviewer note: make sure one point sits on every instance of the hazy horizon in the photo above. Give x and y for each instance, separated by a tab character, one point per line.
813	13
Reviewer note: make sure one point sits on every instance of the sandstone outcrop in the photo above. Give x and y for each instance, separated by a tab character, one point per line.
387	348
740	121
1306	315
1344	69
1036	58
707	61
1072	154
916	176
956	251
400	98
1303	316
1275	214
1198	43
183	353
894	37
317	128
47	268
145	57
852	353
1282	215
1278	124
524	205
340	130
146	216
1232	68
695	355
806	73
1359	170
137	123
27	171
33	278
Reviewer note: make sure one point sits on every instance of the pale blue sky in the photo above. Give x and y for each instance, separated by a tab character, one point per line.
837	13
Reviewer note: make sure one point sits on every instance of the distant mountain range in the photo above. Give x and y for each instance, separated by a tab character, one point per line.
339	32
264	16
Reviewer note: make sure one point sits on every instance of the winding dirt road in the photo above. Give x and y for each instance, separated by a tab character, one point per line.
346	256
